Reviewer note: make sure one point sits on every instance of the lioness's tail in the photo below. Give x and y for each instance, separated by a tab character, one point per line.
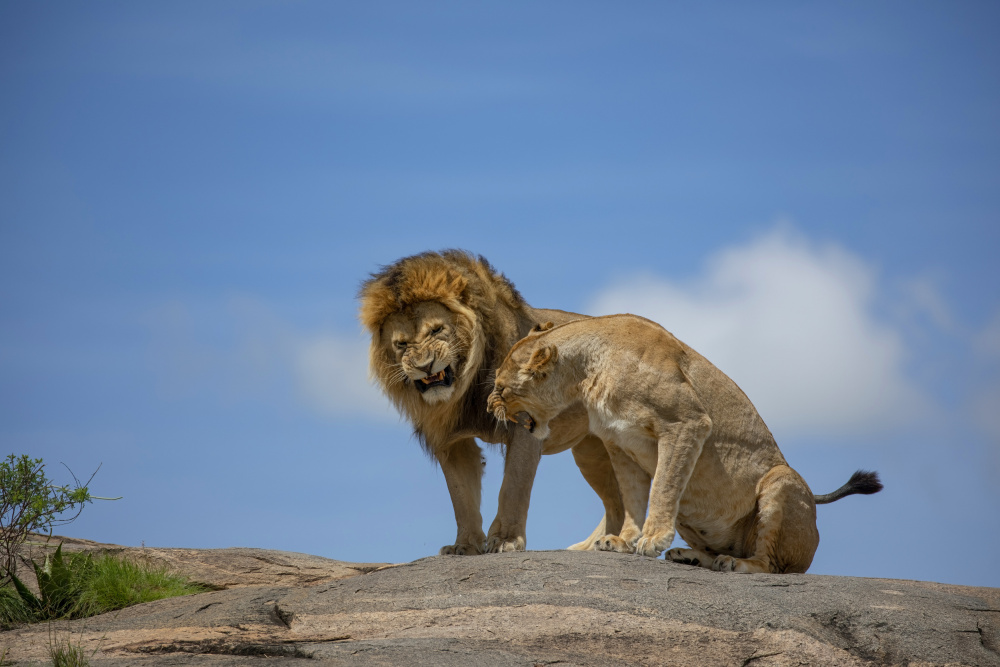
862	481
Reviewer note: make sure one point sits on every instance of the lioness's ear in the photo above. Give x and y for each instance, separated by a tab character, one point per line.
544	326
542	359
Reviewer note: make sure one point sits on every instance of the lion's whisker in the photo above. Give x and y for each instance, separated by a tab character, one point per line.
395	375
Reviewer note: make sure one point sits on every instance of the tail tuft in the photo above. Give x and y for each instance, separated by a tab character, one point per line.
862	481
865	482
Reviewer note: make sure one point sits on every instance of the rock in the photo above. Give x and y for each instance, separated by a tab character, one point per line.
538	608
215	568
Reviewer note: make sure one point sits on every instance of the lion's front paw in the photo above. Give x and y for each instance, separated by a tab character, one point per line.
613	543
498	545
653	545
460	550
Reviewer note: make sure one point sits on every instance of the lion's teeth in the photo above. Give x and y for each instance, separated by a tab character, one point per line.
433	378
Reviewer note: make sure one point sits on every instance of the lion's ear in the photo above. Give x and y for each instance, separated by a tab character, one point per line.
542	360
544	326
457	284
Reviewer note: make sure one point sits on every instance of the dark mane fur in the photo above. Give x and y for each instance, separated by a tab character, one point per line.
502	312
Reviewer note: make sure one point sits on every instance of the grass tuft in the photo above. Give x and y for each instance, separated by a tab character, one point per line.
84	585
115	583
68	655
13	610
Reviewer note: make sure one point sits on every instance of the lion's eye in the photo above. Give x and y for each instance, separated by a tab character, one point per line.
438	329
400	344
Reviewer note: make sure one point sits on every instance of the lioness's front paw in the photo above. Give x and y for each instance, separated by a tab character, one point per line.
613	543
460	550
685	556
498	545
724	563
654	545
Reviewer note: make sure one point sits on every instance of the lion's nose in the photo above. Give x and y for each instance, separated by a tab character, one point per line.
428	368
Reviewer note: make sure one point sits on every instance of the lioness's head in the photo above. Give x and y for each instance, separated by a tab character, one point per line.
527	389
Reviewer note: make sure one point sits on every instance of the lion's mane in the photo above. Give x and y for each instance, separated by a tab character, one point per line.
490	314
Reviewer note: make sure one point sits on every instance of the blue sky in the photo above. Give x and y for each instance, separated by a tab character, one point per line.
191	193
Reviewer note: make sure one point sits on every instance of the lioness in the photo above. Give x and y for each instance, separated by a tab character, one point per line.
664	412
440	323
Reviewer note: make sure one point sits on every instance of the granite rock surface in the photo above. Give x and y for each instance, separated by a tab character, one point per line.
529	608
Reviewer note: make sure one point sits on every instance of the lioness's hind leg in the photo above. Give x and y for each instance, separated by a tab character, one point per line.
591	541
690	557
783	537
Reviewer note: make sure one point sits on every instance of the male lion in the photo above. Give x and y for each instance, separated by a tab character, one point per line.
666	413
440	323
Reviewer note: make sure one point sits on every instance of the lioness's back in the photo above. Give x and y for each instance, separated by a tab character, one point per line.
637	340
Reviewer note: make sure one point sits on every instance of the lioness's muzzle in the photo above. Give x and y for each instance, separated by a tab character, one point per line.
496	406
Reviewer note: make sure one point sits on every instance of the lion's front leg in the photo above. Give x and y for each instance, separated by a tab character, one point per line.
591	457
633	483
462	465
507	533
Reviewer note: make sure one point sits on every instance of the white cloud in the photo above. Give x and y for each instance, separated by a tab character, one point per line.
792	324
332	376
240	351
986	411
987	341
986	401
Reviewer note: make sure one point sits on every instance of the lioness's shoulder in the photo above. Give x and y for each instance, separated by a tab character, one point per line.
626	328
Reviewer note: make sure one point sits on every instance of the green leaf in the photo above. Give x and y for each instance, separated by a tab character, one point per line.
58	584
34	604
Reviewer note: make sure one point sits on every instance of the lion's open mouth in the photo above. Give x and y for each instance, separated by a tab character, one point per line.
442	378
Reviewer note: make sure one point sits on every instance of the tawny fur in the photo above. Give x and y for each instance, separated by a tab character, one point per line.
684	440
451	310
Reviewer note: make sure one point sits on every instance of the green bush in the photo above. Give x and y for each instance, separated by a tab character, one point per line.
81	585
30	502
60	584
